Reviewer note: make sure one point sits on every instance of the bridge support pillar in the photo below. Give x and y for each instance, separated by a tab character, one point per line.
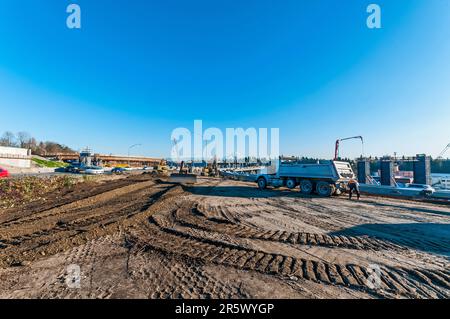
363	171
387	172
422	169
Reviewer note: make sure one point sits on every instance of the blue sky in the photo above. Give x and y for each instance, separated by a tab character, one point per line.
139	69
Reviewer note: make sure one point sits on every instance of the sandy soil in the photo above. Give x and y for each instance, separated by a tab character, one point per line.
137	237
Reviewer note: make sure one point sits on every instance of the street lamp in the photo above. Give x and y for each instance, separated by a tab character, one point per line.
129	149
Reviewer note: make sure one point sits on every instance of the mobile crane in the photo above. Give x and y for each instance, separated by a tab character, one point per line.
338	143
441	155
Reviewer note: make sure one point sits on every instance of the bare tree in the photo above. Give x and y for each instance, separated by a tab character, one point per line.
33	145
24	139
8	139
41	149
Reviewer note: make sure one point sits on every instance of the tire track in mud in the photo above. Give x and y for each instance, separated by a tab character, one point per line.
339	238
151	219
158	235
440	246
75	217
80	255
45	238
198	219
180	278
70	196
211	218
162	234
103	200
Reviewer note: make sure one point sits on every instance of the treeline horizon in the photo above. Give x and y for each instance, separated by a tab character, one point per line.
25	140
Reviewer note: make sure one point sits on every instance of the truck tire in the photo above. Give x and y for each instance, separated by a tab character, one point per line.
262	183
291	183
306	186
324	189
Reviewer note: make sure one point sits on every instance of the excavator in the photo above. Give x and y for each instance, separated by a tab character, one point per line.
338	143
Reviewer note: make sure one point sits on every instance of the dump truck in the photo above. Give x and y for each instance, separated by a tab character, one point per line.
325	178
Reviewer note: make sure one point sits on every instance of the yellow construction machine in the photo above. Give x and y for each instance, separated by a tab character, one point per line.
183	176
162	169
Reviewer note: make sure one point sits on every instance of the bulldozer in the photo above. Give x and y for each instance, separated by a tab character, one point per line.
211	169
162	169
183	176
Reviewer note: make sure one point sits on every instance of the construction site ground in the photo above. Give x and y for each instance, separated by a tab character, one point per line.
140	237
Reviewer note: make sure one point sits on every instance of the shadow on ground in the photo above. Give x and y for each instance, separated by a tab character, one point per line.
244	192
416	209
427	237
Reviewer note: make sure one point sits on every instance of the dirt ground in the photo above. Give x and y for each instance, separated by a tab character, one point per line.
137	237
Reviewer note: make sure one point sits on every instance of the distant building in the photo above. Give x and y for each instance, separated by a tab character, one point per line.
15	157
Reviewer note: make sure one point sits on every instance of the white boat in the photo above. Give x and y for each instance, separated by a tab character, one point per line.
441	181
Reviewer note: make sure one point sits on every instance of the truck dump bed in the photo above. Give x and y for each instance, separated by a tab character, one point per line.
333	171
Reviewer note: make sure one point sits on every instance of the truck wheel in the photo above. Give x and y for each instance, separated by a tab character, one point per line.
324	189
306	186
290	183
262	183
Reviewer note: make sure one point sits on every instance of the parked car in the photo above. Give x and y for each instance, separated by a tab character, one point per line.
3	173
118	170
425	189
94	170
73	169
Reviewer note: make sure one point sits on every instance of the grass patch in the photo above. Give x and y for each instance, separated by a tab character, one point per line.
49	164
24	190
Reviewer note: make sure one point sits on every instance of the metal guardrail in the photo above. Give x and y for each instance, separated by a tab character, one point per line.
104	157
15	156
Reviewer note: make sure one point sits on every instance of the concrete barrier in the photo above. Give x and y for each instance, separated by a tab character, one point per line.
15	157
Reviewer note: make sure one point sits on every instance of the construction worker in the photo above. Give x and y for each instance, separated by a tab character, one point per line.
353	185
